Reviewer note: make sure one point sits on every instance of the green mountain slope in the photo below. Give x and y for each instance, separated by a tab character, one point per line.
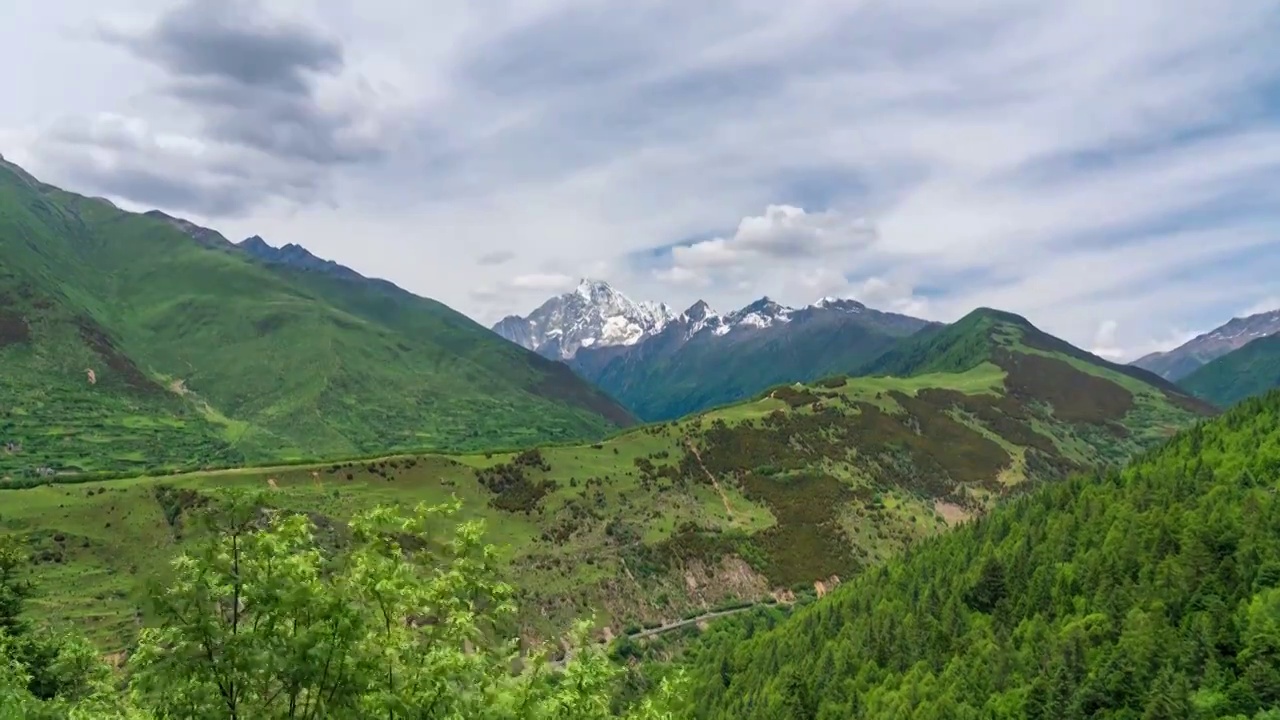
1049	369
982	335
1251	370
671	374
748	503
1149	593
203	355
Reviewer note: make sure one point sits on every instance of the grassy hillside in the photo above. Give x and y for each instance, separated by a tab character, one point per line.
985	334
1081	387
1252	370
747	503
665	377
201	355
1148	593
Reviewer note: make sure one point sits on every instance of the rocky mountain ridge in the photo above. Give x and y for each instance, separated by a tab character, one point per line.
593	315
596	316
666	365
1187	358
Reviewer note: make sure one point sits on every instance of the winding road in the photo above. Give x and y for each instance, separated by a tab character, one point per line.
640	635
651	632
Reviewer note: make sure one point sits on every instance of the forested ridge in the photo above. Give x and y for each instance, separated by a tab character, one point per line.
1152	592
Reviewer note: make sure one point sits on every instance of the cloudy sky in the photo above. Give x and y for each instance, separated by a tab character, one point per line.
1109	169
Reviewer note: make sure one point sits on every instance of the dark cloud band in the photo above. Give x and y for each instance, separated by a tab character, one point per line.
248	86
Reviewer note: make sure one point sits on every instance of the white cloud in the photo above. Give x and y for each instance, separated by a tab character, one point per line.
1104	341
892	295
680	275
784	233
1076	162
784	252
532	288
546	282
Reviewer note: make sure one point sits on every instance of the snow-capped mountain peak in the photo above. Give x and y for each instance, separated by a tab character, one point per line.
762	313
698	312
834	303
595	290
596	315
699	317
1239	331
593	315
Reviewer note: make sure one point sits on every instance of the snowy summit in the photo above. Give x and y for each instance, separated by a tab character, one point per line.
596	315
593	315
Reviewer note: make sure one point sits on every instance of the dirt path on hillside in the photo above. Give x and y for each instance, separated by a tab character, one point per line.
723	498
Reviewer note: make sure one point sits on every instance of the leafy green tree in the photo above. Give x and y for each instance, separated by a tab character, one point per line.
15	699
44	675
263	623
15	588
96	699
990	587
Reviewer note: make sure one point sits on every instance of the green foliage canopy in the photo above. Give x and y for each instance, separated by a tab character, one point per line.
264	622
1148	593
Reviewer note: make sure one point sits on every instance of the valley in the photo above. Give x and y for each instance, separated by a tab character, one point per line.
649	361
790	454
751	502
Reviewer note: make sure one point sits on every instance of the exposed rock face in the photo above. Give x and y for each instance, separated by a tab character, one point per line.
594	315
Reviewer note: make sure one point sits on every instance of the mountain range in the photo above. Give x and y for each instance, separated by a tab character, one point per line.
790	450
662	365
143	342
746	503
1183	360
1250	370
